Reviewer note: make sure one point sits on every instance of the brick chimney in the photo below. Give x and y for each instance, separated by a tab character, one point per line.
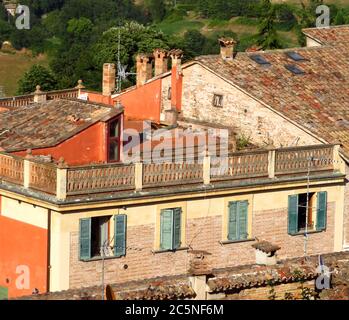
144	69
161	61
176	79
39	96
109	76
227	48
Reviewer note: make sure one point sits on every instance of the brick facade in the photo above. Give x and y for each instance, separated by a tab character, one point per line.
201	234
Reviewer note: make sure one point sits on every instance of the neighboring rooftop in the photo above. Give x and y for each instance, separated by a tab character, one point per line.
41	125
313	91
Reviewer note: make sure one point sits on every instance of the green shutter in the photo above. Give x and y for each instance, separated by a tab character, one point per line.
166	227
242	220
177	228
120	222
3	293
293	214
232	221
85	239
321	211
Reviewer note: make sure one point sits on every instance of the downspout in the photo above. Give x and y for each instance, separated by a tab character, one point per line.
48	273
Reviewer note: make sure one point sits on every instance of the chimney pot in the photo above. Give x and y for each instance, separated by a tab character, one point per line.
109	77
144	68
161	61
227	48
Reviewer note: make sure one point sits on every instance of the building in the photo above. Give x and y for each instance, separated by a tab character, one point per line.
152	215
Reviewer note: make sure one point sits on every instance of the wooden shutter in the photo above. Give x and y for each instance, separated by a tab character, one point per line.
293	214
120	235
177	228
232	221
166	227
85	239
321	216
242	220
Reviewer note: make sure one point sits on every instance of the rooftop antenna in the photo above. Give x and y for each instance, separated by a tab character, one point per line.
121	69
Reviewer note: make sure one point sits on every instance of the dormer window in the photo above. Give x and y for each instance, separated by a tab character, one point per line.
114	141
218	100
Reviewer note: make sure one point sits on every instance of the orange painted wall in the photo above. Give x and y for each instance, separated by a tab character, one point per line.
86	147
143	103
99	98
22	244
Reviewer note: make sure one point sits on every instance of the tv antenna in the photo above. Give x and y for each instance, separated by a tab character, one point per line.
121	69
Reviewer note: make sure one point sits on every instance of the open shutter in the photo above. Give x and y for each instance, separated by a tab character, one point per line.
166	225
232	221
242	220
177	228
321	211
120	235
293	214
85	239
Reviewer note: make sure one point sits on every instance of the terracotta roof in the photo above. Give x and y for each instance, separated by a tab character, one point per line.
317	100
166	288
266	246
329	36
46	124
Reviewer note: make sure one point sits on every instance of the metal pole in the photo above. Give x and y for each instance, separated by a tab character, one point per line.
307	208
103	271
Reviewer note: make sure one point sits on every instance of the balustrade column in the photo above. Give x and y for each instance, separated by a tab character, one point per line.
271	164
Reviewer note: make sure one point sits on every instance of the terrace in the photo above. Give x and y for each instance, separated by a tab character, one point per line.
59	182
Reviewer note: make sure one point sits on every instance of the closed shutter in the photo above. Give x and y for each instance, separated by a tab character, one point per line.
293	214
232	221
85	239
242	220
321	211
120	235
177	228
166	227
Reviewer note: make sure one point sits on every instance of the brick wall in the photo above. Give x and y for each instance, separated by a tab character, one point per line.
202	234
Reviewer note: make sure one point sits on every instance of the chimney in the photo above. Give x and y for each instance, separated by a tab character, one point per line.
266	253
144	69
161	60
39	96
176	79
109	76
227	48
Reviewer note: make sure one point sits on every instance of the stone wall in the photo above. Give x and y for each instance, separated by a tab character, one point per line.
201	234
240	111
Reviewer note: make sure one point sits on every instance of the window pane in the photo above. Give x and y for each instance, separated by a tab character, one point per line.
114	129
113	151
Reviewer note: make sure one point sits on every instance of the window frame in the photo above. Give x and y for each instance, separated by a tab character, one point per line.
221	98
114	139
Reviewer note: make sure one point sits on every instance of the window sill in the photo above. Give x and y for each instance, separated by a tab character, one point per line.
236	241
169	250
302	233
100	258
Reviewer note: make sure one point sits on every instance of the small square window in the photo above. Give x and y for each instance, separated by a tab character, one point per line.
169	93
218	100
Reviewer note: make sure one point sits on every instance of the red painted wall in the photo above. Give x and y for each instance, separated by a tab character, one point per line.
22	244
89	146
177	86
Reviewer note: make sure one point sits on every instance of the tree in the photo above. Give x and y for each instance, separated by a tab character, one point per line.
36	75
339	18
267	34
157	9
3	12
194	42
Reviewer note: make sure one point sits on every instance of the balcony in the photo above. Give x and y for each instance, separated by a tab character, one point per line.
62	182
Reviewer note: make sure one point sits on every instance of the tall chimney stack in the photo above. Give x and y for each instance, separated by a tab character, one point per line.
227	48
161	61
109	76
144	69
176	79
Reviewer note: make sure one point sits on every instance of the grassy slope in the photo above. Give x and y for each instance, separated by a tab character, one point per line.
12	68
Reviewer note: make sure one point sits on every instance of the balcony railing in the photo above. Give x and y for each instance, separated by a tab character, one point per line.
63	181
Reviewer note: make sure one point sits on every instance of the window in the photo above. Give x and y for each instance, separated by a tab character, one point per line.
170	229
297	212
259	59
94	235
169	93
114	141
294	69
218	100
295	56
238	220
